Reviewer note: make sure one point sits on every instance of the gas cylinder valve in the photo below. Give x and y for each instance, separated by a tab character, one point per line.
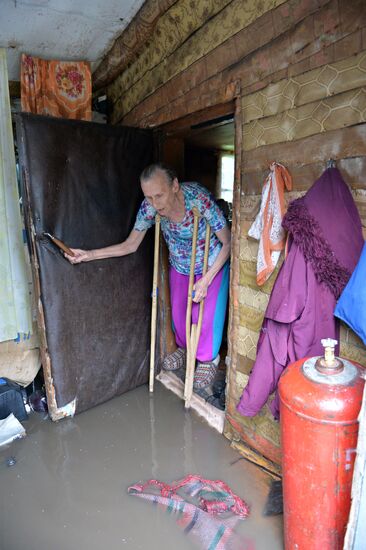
329	364
329	344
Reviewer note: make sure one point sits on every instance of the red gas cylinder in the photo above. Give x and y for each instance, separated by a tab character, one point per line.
320	399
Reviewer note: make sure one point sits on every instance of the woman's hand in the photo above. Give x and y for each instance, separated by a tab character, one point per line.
200	289
79	256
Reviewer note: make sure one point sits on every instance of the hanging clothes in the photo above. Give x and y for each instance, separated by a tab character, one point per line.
57	88
15	305
351	307
324	244
267	227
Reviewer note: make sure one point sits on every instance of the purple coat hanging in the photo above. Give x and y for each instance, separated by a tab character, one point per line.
324	244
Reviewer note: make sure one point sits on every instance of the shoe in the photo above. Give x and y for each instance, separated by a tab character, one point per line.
175	361
216	402
205	373
218	387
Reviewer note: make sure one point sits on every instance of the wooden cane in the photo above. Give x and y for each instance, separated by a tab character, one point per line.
195	329
154	303
190	292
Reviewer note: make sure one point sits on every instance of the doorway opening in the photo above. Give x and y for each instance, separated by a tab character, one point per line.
201	148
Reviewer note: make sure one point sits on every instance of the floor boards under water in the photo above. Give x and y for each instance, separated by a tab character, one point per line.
68	488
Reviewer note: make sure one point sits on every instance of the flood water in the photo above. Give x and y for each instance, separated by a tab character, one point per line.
68	488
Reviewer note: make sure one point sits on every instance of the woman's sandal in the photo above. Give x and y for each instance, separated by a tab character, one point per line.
175	361
205	373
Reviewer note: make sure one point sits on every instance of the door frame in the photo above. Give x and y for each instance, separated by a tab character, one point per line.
167	131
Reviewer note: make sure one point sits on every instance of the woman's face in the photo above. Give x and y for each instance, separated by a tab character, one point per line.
160	193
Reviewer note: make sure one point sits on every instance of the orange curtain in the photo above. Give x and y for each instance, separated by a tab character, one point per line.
57	88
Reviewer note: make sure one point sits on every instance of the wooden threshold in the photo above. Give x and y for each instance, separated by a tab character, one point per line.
213	416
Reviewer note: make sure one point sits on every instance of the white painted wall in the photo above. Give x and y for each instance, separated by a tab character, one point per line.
62	29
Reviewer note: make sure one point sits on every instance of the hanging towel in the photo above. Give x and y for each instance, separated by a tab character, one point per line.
267	227
351	307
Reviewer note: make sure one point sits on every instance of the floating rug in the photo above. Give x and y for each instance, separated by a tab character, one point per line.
206	510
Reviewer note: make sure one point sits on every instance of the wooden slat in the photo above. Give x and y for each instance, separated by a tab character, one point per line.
250	317
235	51
337	144
351	44
233	324
322	83
353	171
175	46
164	106
218	30
324	37
361	207
208	94
248	276
303	42
261	433
244	364
130	42
274	470
53	409
201	116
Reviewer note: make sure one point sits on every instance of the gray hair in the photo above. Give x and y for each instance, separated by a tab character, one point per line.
151	170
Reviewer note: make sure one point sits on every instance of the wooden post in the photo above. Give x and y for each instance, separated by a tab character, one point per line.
154	303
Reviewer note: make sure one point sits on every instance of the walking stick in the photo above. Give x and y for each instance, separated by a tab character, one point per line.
154	303
193	331
189	302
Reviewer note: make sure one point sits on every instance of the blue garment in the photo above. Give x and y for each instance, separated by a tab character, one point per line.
351	307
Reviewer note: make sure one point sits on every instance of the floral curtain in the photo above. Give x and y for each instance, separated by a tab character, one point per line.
57	88
15	303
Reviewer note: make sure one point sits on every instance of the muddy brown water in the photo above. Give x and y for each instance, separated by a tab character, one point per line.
68	488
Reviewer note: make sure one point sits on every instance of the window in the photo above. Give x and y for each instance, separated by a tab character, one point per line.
226	175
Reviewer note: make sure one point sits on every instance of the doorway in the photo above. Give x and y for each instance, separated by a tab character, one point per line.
201	148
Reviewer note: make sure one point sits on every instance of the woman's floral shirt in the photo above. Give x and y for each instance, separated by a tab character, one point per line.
178	236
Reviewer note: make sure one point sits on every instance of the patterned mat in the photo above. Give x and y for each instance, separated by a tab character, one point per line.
206	510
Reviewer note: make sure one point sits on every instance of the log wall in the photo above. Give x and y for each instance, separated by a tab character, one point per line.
298	69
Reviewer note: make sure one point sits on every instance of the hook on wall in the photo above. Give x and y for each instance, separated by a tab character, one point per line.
331	163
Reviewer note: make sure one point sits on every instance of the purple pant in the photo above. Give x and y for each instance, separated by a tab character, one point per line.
214	311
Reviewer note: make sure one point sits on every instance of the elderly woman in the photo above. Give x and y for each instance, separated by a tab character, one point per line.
174	202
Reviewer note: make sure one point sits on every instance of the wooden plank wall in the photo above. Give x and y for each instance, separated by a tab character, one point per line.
299	67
